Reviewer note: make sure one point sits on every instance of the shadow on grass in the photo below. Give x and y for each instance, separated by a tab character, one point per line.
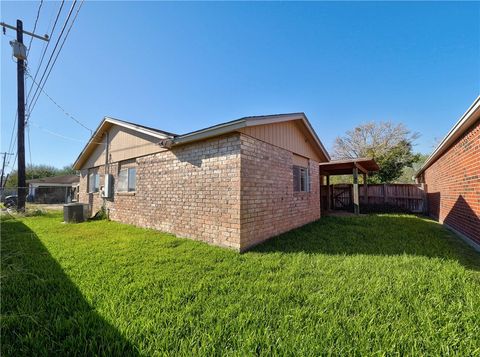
375	235
43	312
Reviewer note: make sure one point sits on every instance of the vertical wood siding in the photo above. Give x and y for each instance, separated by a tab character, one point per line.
124	144
288	135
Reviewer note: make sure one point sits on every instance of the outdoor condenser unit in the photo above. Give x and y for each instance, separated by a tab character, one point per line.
75	212
108	186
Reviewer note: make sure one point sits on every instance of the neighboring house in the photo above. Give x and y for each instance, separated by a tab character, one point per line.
55	189
452	177
235	184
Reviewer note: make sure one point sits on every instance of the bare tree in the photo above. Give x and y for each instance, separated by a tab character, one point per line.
371	140
388	143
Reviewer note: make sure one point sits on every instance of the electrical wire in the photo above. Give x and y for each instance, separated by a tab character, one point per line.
46	46
29	146
57	134
11	144
31	108
12	136
60	107
52	53
35	26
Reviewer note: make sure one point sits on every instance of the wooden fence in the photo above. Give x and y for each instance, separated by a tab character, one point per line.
379	198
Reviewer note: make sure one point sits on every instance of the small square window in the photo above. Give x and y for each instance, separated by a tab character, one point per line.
93	181
301	179
127	179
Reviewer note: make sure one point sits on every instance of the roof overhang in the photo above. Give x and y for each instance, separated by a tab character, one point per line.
46	184
56	180
467	120
104	126
345	167
249	121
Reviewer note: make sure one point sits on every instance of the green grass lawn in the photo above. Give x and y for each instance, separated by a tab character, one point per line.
372	285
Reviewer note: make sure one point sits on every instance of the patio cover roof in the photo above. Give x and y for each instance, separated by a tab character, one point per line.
345	167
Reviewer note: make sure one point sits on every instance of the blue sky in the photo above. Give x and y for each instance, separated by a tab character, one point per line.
184	66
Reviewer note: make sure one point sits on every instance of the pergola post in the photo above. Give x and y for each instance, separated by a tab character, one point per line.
365	189
328	193
356	201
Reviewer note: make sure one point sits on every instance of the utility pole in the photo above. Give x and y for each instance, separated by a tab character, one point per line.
19	51
3	167
22	182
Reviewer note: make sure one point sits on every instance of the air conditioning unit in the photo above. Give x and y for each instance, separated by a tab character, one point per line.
75	212
108	186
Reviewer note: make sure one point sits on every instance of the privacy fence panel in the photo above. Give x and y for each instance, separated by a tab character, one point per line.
379	197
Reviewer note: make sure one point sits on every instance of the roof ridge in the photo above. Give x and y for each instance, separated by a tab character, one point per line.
143	126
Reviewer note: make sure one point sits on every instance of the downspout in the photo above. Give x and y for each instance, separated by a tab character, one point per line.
106	173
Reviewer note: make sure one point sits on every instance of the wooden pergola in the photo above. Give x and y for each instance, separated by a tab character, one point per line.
349	167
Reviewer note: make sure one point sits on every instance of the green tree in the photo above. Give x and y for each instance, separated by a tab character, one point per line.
410	171
67	170
39	171
390	144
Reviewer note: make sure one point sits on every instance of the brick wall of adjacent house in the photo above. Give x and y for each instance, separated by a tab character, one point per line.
191	191
268	204
453	185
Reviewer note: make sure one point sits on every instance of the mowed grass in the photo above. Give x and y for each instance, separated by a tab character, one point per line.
372	285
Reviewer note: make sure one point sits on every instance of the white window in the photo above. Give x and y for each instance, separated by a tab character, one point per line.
93	181
127	179
301	179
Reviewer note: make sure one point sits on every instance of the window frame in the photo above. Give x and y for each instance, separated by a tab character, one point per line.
93	173
128	187
302	174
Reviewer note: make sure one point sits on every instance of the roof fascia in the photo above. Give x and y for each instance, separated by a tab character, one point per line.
210	132
467	119
242	123
101	127
137	128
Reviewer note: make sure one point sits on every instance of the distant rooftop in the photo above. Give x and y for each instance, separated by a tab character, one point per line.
65	179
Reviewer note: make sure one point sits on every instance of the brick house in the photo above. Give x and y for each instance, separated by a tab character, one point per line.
452	178
235	184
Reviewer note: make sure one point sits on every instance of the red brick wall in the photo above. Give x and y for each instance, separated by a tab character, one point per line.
268	204
453	185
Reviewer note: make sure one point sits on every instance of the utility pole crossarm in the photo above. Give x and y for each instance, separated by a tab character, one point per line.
44	38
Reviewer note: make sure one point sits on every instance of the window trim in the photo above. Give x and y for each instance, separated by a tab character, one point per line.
303	175
128	190
96	181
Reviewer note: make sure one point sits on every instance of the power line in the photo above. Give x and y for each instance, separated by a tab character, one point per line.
63	136
13	137
46	46
53	52
35	25
13	133
30	109
29	145
12	141
60	107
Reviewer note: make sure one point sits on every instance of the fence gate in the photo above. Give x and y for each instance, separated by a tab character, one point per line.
342	197
379	198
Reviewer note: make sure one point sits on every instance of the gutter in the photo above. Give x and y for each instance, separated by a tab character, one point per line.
239	124
468	118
